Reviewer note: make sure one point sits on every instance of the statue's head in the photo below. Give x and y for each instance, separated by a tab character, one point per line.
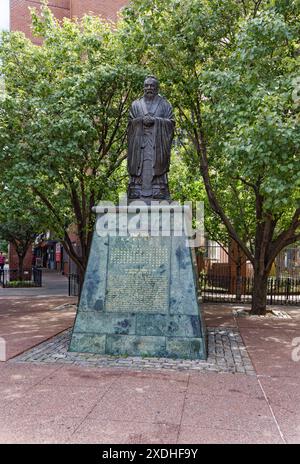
151	86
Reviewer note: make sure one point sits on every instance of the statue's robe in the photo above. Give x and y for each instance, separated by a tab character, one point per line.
154	141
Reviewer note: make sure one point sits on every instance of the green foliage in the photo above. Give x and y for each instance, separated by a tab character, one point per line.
63	121
229	68
184	181
17	230
4	246
20	284
21	219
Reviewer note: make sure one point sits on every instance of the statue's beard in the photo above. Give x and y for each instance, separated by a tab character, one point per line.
150	95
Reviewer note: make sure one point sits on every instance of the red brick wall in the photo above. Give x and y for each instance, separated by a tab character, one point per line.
106	8
20	15
13	258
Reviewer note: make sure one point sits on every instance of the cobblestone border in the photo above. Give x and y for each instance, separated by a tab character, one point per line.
226	353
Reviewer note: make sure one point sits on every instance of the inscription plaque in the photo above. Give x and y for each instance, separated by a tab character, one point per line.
138	276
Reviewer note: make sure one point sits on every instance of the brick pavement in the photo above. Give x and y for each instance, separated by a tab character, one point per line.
78	402
26	322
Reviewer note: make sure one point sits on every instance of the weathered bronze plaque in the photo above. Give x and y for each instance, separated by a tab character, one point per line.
138	276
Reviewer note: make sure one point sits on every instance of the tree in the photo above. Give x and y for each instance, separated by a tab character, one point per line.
21	235
230	68
3	246
63	119
21	220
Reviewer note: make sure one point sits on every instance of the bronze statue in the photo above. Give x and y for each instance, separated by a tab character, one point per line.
150	134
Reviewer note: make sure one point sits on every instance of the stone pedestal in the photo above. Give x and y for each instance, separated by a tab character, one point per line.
139	296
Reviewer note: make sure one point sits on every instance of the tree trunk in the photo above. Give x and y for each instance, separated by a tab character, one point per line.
259	294
81	275
239	280
21	268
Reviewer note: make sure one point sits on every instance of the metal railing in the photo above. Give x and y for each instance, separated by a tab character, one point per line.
11	278
37	276
214	288
74	285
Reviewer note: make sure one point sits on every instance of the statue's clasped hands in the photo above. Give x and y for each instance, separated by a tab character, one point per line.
148	120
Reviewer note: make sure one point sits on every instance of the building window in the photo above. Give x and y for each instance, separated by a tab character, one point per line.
213	251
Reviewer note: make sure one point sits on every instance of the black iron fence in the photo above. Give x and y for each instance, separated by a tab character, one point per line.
215	288
228	289
12	278
74	285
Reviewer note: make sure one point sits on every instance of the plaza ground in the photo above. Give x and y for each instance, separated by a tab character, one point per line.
73	403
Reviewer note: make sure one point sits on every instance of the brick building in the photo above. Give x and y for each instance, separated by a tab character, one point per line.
14	260
20	14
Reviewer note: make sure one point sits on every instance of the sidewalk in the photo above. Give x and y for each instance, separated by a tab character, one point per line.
53	284
27	315
57	402
26	322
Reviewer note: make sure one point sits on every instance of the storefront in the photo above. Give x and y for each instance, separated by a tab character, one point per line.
46	254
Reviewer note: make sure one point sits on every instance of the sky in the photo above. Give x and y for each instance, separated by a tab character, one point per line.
4	15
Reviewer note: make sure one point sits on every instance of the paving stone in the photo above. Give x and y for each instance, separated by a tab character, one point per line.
226	353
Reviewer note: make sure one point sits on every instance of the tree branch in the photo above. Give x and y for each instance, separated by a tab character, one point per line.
242	213
51	208
201	150
255	187
256	7
286	237
68	246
